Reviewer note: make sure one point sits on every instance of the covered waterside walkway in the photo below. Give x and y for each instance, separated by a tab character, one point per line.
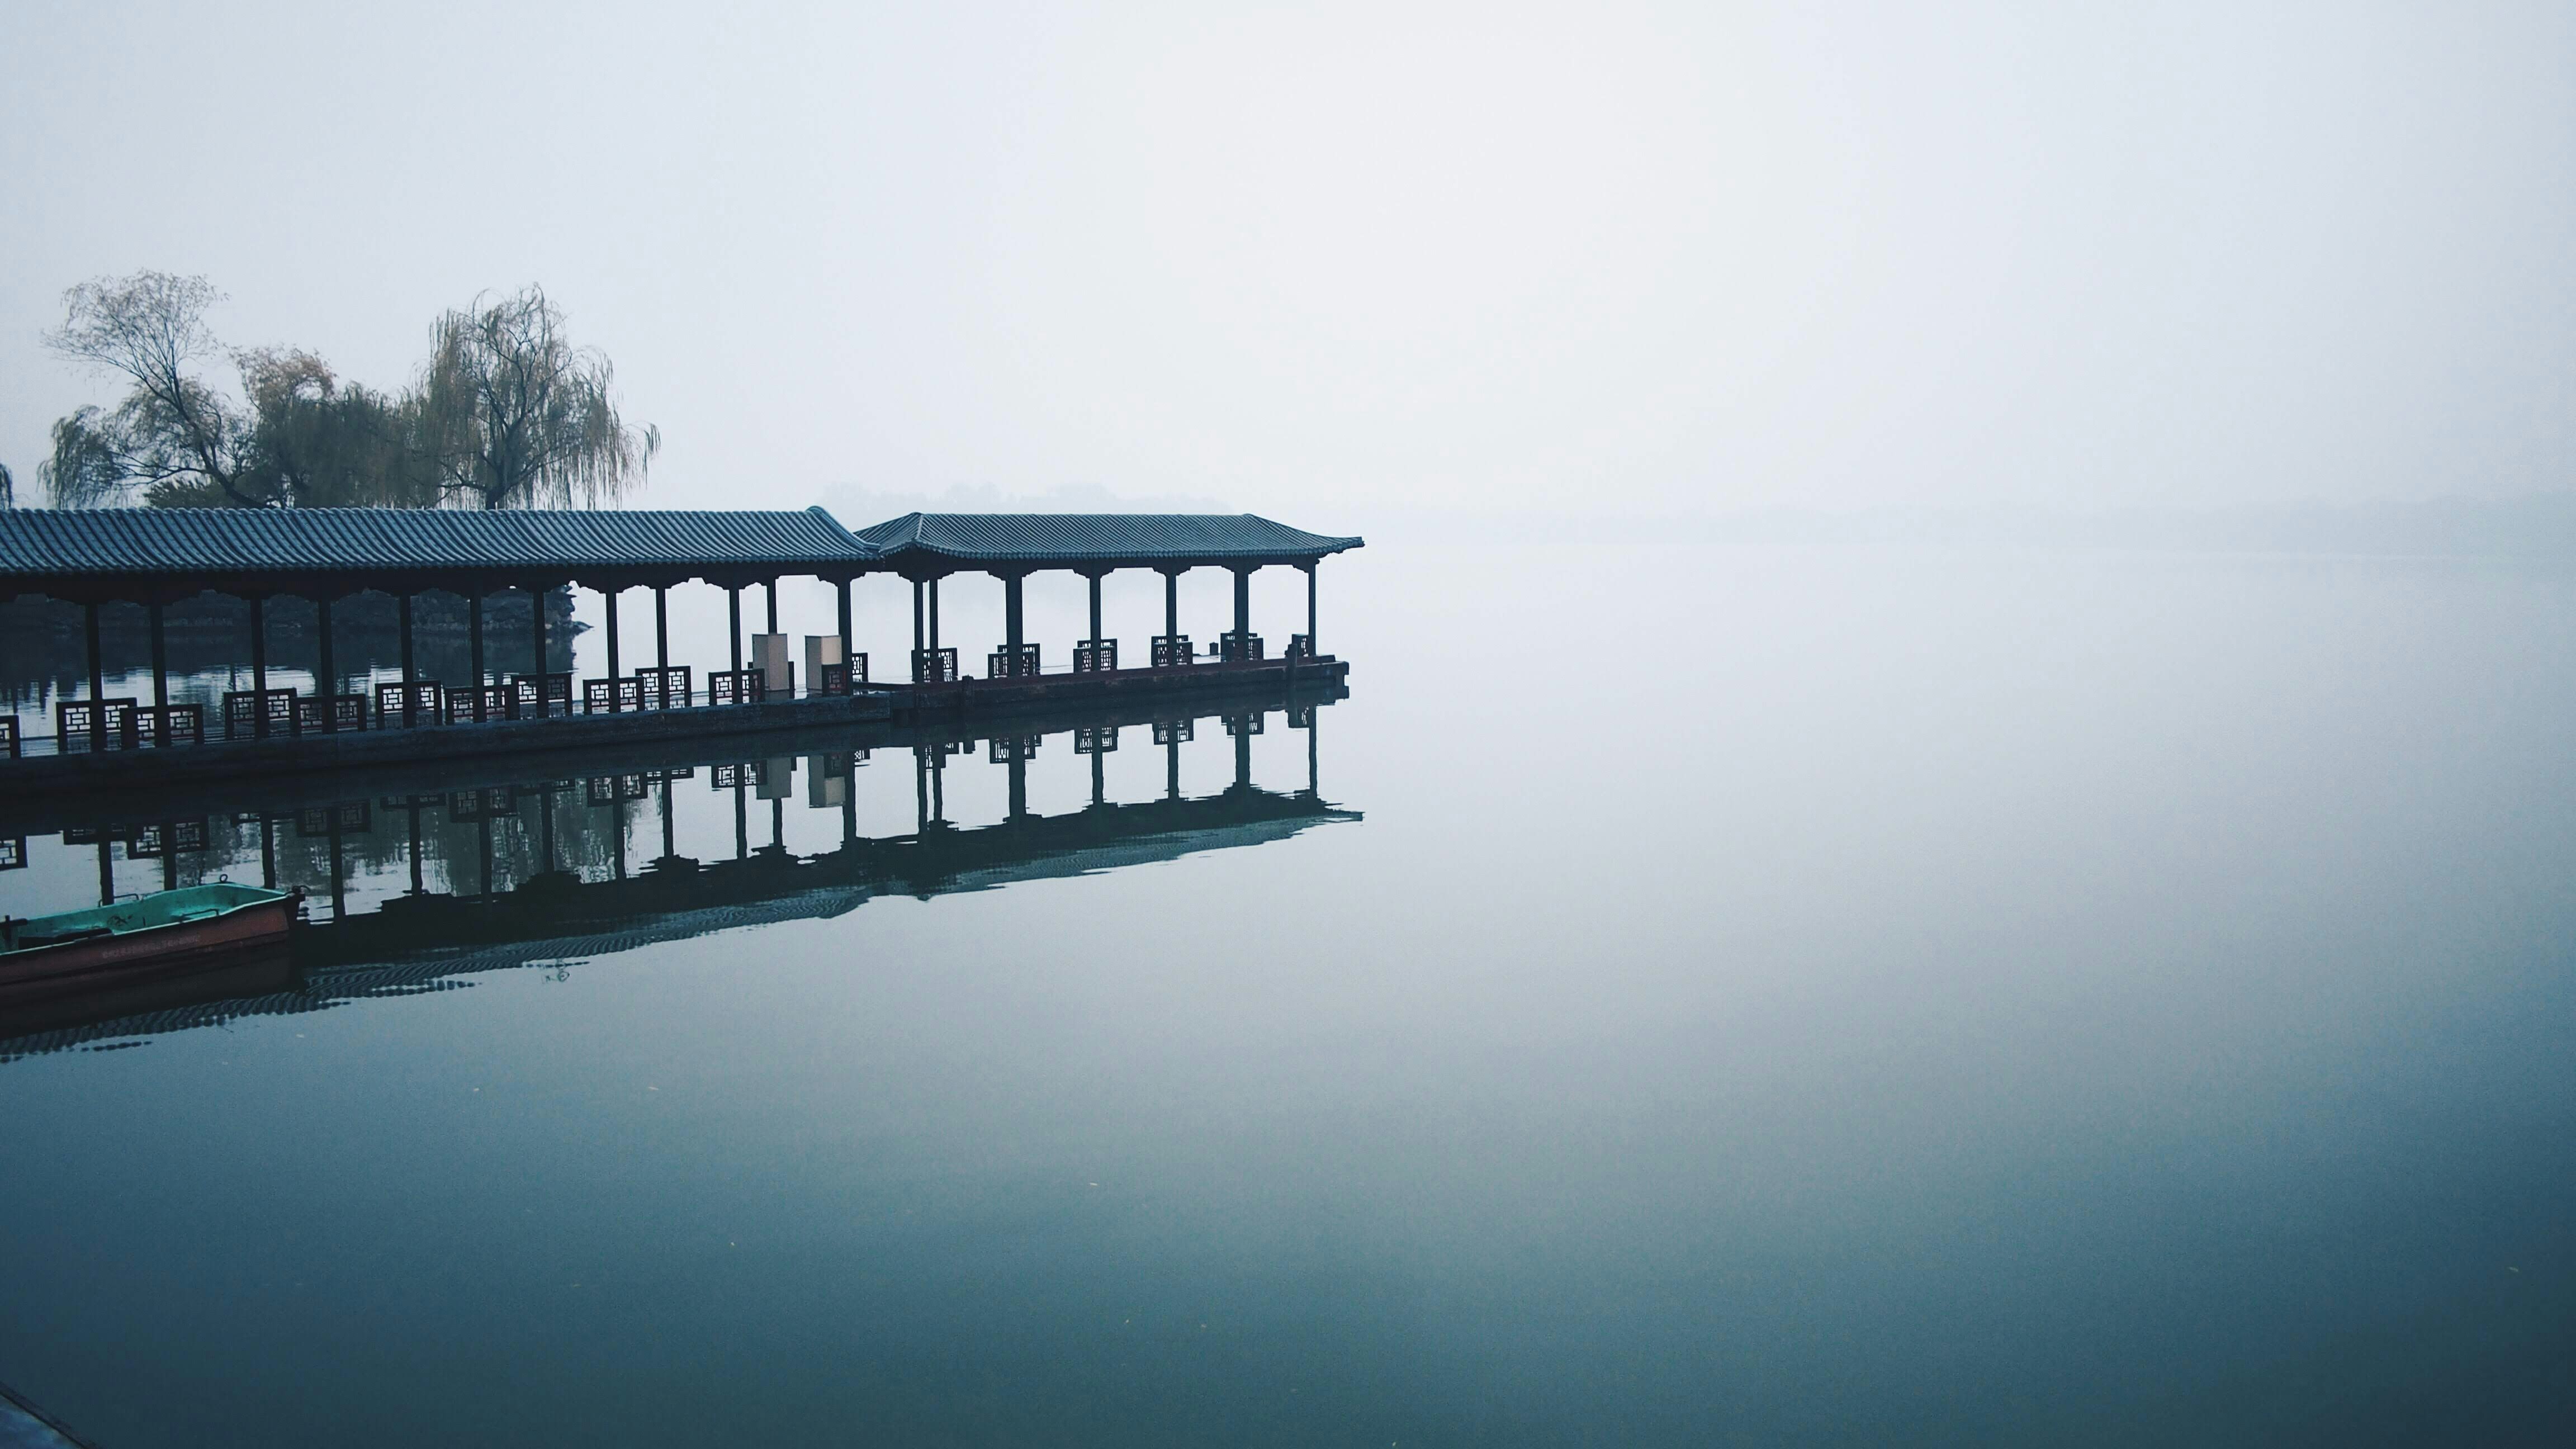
154	557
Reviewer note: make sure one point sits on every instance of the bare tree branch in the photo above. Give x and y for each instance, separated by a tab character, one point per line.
148	328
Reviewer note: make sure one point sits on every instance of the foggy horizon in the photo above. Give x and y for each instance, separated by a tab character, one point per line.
1889	765
1326	264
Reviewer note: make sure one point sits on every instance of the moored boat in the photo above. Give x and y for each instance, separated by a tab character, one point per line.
154	937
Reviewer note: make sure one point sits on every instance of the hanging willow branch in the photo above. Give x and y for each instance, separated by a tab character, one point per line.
512	415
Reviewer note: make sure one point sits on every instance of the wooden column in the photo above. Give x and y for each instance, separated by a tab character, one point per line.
326	673
160	657
537	642
1095	618
404	611
611	596
1312	647
1011	630
773	628
846	644
662	625
733	614
1172	603
97	669
474	633
259	669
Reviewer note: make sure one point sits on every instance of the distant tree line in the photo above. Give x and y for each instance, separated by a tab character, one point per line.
505	413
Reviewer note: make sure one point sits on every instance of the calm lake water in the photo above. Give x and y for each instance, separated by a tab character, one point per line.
1741	996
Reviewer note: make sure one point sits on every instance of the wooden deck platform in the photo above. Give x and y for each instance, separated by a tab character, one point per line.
37	778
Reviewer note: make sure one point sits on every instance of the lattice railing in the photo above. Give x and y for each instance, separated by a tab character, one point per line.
166	838
492	802
410	705
244	708
482	704
733	686
616	789
317	822
83	725
665	688
611	696
558	693
1005	663
166	726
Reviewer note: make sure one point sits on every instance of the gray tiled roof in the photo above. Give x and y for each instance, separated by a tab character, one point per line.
1128	538
246	543
140	553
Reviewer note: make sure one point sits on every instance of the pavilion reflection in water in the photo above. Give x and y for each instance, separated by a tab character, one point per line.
540	871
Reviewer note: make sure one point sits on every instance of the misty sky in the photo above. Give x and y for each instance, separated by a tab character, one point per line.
1316	261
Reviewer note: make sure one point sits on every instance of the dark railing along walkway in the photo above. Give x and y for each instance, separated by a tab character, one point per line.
85	726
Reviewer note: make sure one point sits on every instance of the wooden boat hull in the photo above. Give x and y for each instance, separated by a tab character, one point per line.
107	963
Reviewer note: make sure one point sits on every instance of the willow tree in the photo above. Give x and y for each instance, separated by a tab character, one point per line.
509	414
317	441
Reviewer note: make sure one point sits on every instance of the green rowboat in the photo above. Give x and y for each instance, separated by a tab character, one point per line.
150	938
